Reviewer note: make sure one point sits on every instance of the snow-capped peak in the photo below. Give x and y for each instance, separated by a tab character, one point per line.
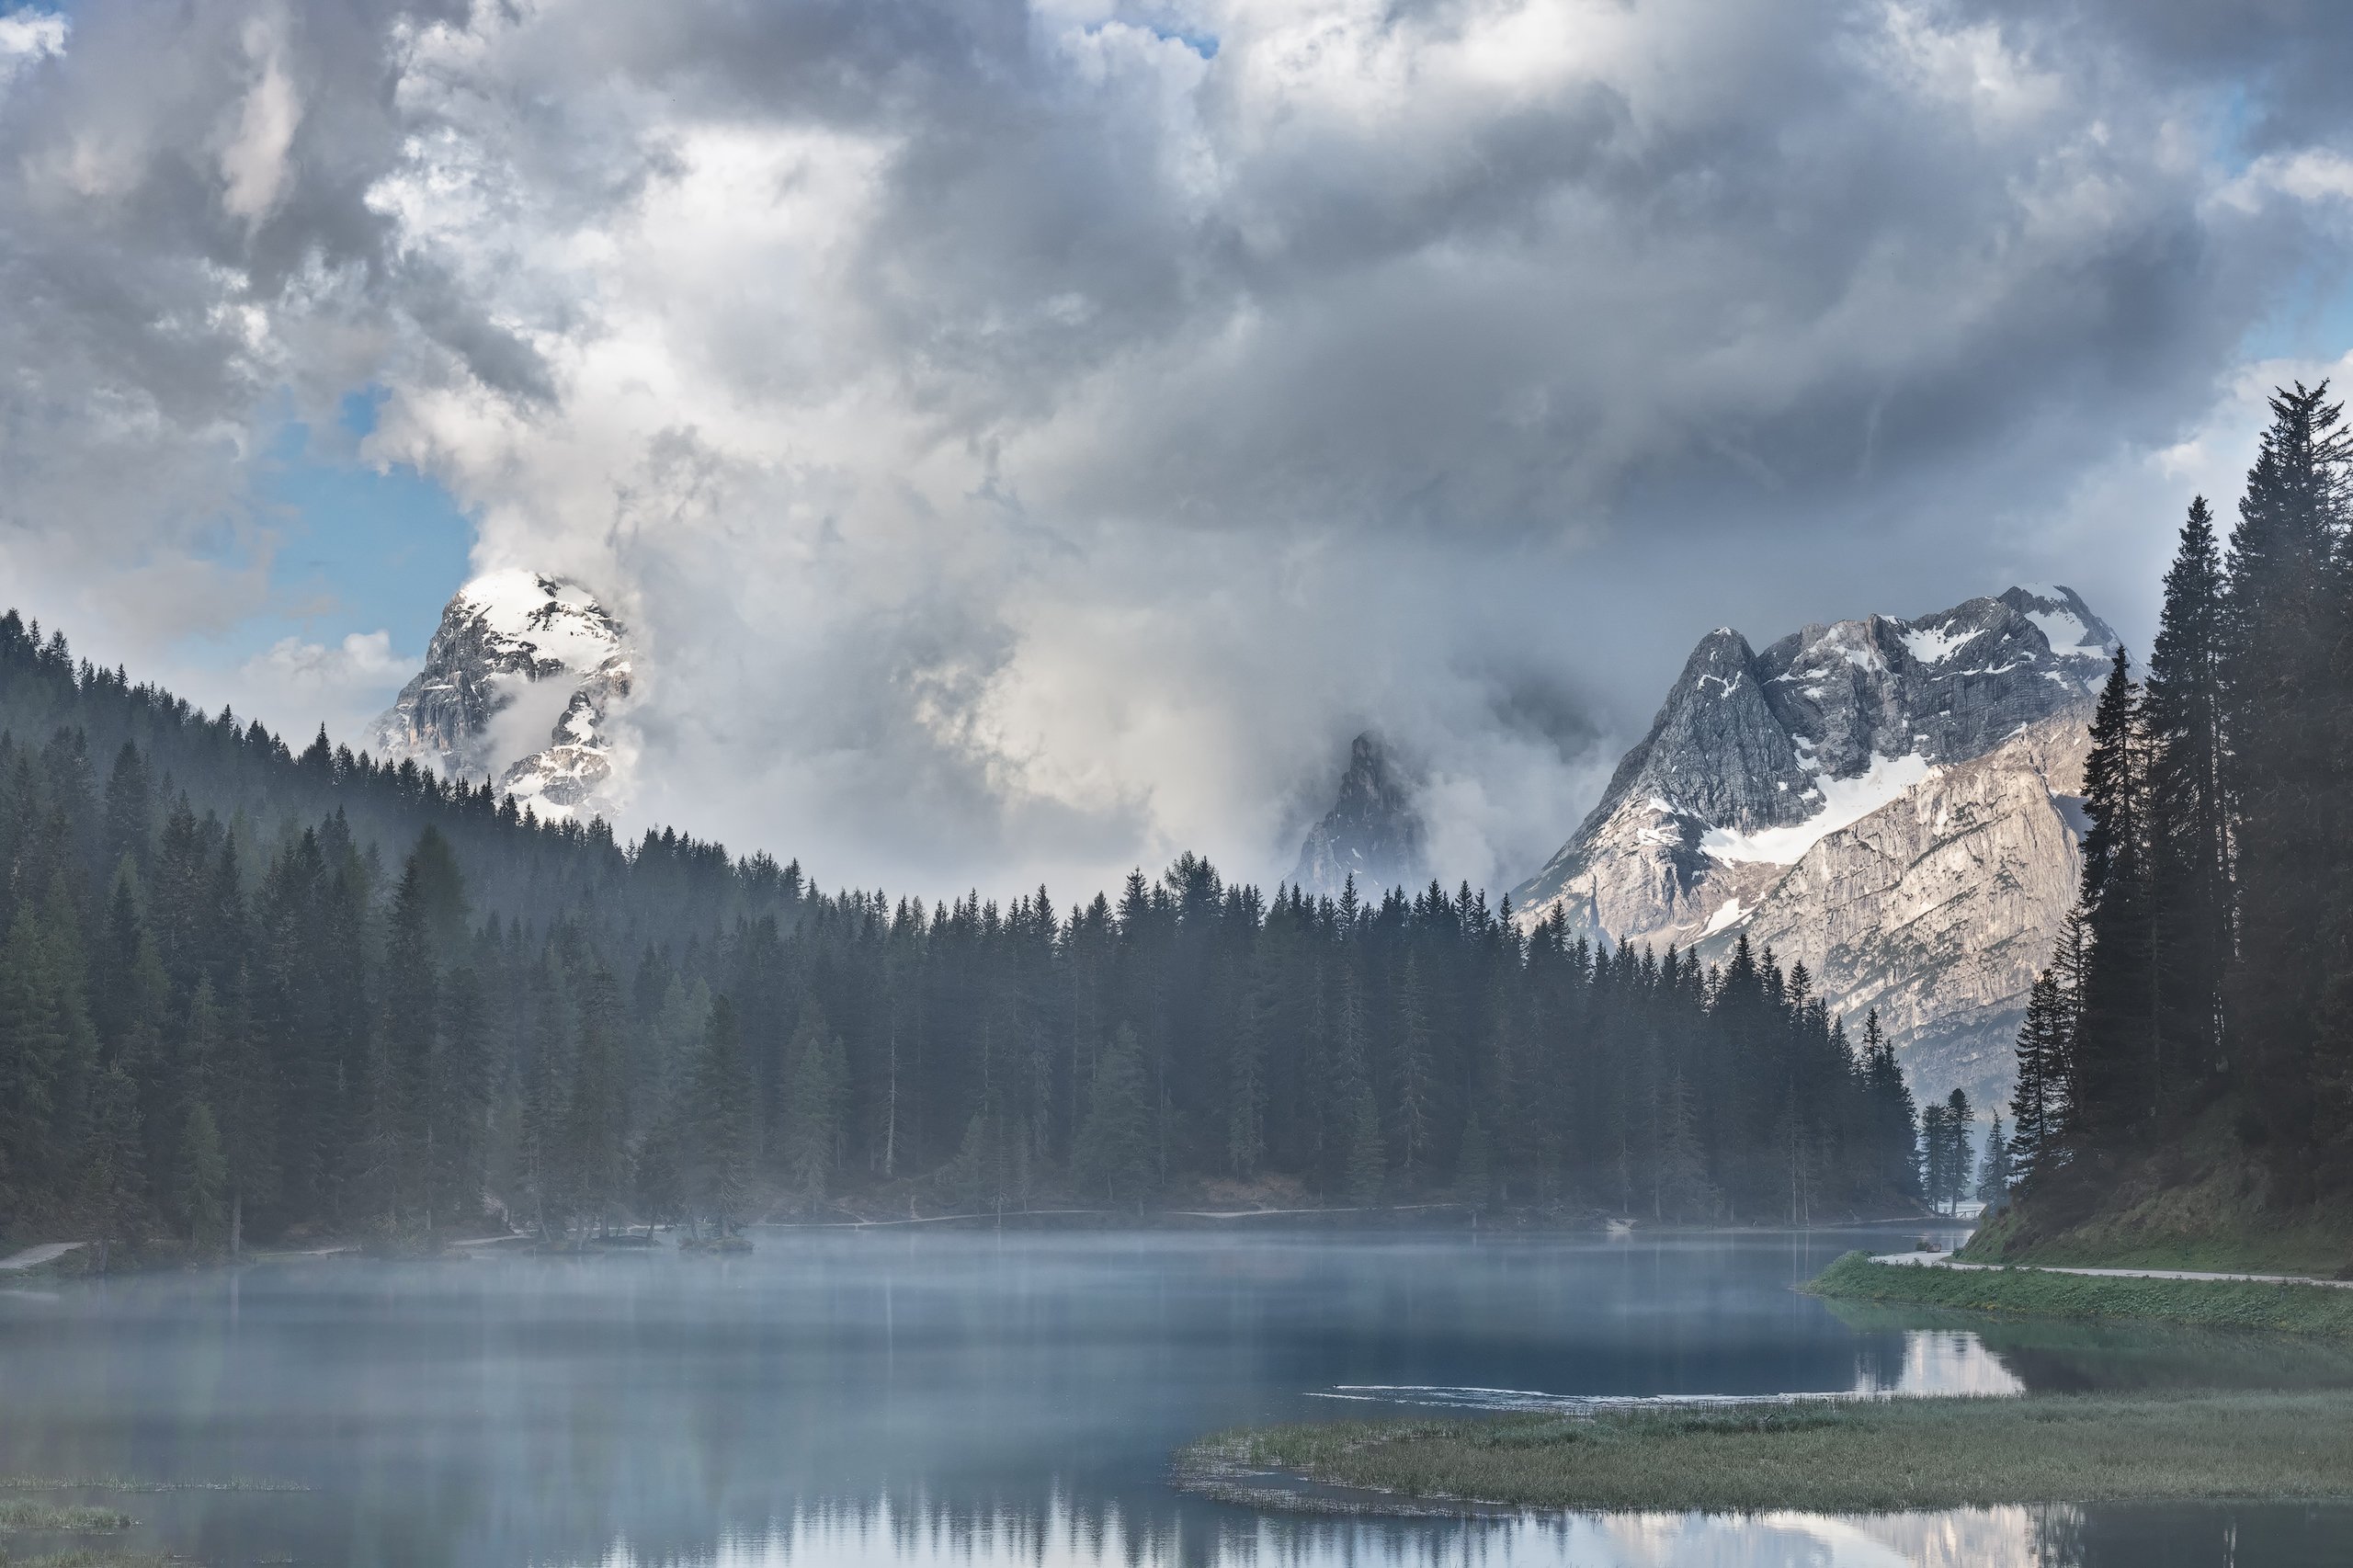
555	620
2066	623
518	684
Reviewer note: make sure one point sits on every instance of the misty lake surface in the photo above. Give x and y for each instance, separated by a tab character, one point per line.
919	1396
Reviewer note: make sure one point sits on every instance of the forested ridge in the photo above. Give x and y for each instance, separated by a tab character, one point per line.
246	994
2200	1010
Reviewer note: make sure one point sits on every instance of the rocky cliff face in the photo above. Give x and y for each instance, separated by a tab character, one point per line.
520	686
1372	831
1939	907
1876	798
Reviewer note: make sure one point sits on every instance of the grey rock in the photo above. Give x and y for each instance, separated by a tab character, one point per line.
519	646
1373	831
1884	799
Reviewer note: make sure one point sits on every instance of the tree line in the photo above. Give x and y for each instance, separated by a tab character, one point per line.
248	994
2201	988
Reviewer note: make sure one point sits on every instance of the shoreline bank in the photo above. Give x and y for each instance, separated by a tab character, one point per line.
2270	1306
1843	1456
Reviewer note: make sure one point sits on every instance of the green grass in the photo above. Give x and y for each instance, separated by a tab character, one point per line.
2056	1353
2174	1229
2207	1303
1845	1457
2203	1201
71	1519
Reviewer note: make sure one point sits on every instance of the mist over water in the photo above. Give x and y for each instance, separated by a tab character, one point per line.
908	1397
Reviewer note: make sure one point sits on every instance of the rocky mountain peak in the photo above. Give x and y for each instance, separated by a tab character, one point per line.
1373	831
519	684
1761	769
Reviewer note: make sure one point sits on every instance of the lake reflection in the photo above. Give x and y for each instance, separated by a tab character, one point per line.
984	1398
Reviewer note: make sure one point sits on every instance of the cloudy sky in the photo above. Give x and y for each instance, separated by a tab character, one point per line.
1031	439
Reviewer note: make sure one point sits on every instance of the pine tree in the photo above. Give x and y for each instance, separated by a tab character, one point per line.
458	1096
113	1190
1413	1076
243	1084
33	1051
203	1178
1245	1089
2189	834
658	1185
2038	1095
1113	1155
1473	1179
1367	1163
2283	771
1952	1163
722	1139
541	1103
593	1122
2113	1071
814	1123
1680	1189
128	803
409	1036
1994	1174
1891	1115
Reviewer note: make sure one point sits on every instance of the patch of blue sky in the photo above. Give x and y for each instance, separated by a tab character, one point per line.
354	548
1202	44
2237	117
2313	320
2313	317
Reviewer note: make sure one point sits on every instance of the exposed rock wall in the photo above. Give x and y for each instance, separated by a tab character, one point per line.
1372	833
1873	796
1939	908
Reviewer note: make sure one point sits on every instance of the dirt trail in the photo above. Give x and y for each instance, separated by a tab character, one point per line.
1944	1260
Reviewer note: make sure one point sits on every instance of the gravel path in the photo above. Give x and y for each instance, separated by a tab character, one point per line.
1944	1260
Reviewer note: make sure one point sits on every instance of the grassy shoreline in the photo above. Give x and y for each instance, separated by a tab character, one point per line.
1845	1457
2207	1303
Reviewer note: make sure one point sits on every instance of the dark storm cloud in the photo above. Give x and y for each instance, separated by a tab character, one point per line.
1034	437
2282	62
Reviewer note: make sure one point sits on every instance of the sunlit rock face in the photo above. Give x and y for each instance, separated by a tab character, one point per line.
1882	798
520	686
1372	833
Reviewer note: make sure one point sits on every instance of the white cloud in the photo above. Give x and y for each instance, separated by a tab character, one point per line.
26	38
1032	439
253	156
2307	174
298	684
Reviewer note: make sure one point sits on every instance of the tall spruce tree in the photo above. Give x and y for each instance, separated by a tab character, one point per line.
1993	1170
723	1131
2282	705
1114	1155
2115	1065
2188	903
2038	1093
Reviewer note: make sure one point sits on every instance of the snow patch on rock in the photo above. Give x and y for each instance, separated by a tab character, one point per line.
1843	801
520	686
1934	644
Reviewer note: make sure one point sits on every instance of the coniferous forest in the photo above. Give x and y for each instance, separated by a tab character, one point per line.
248	995
2199	1013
